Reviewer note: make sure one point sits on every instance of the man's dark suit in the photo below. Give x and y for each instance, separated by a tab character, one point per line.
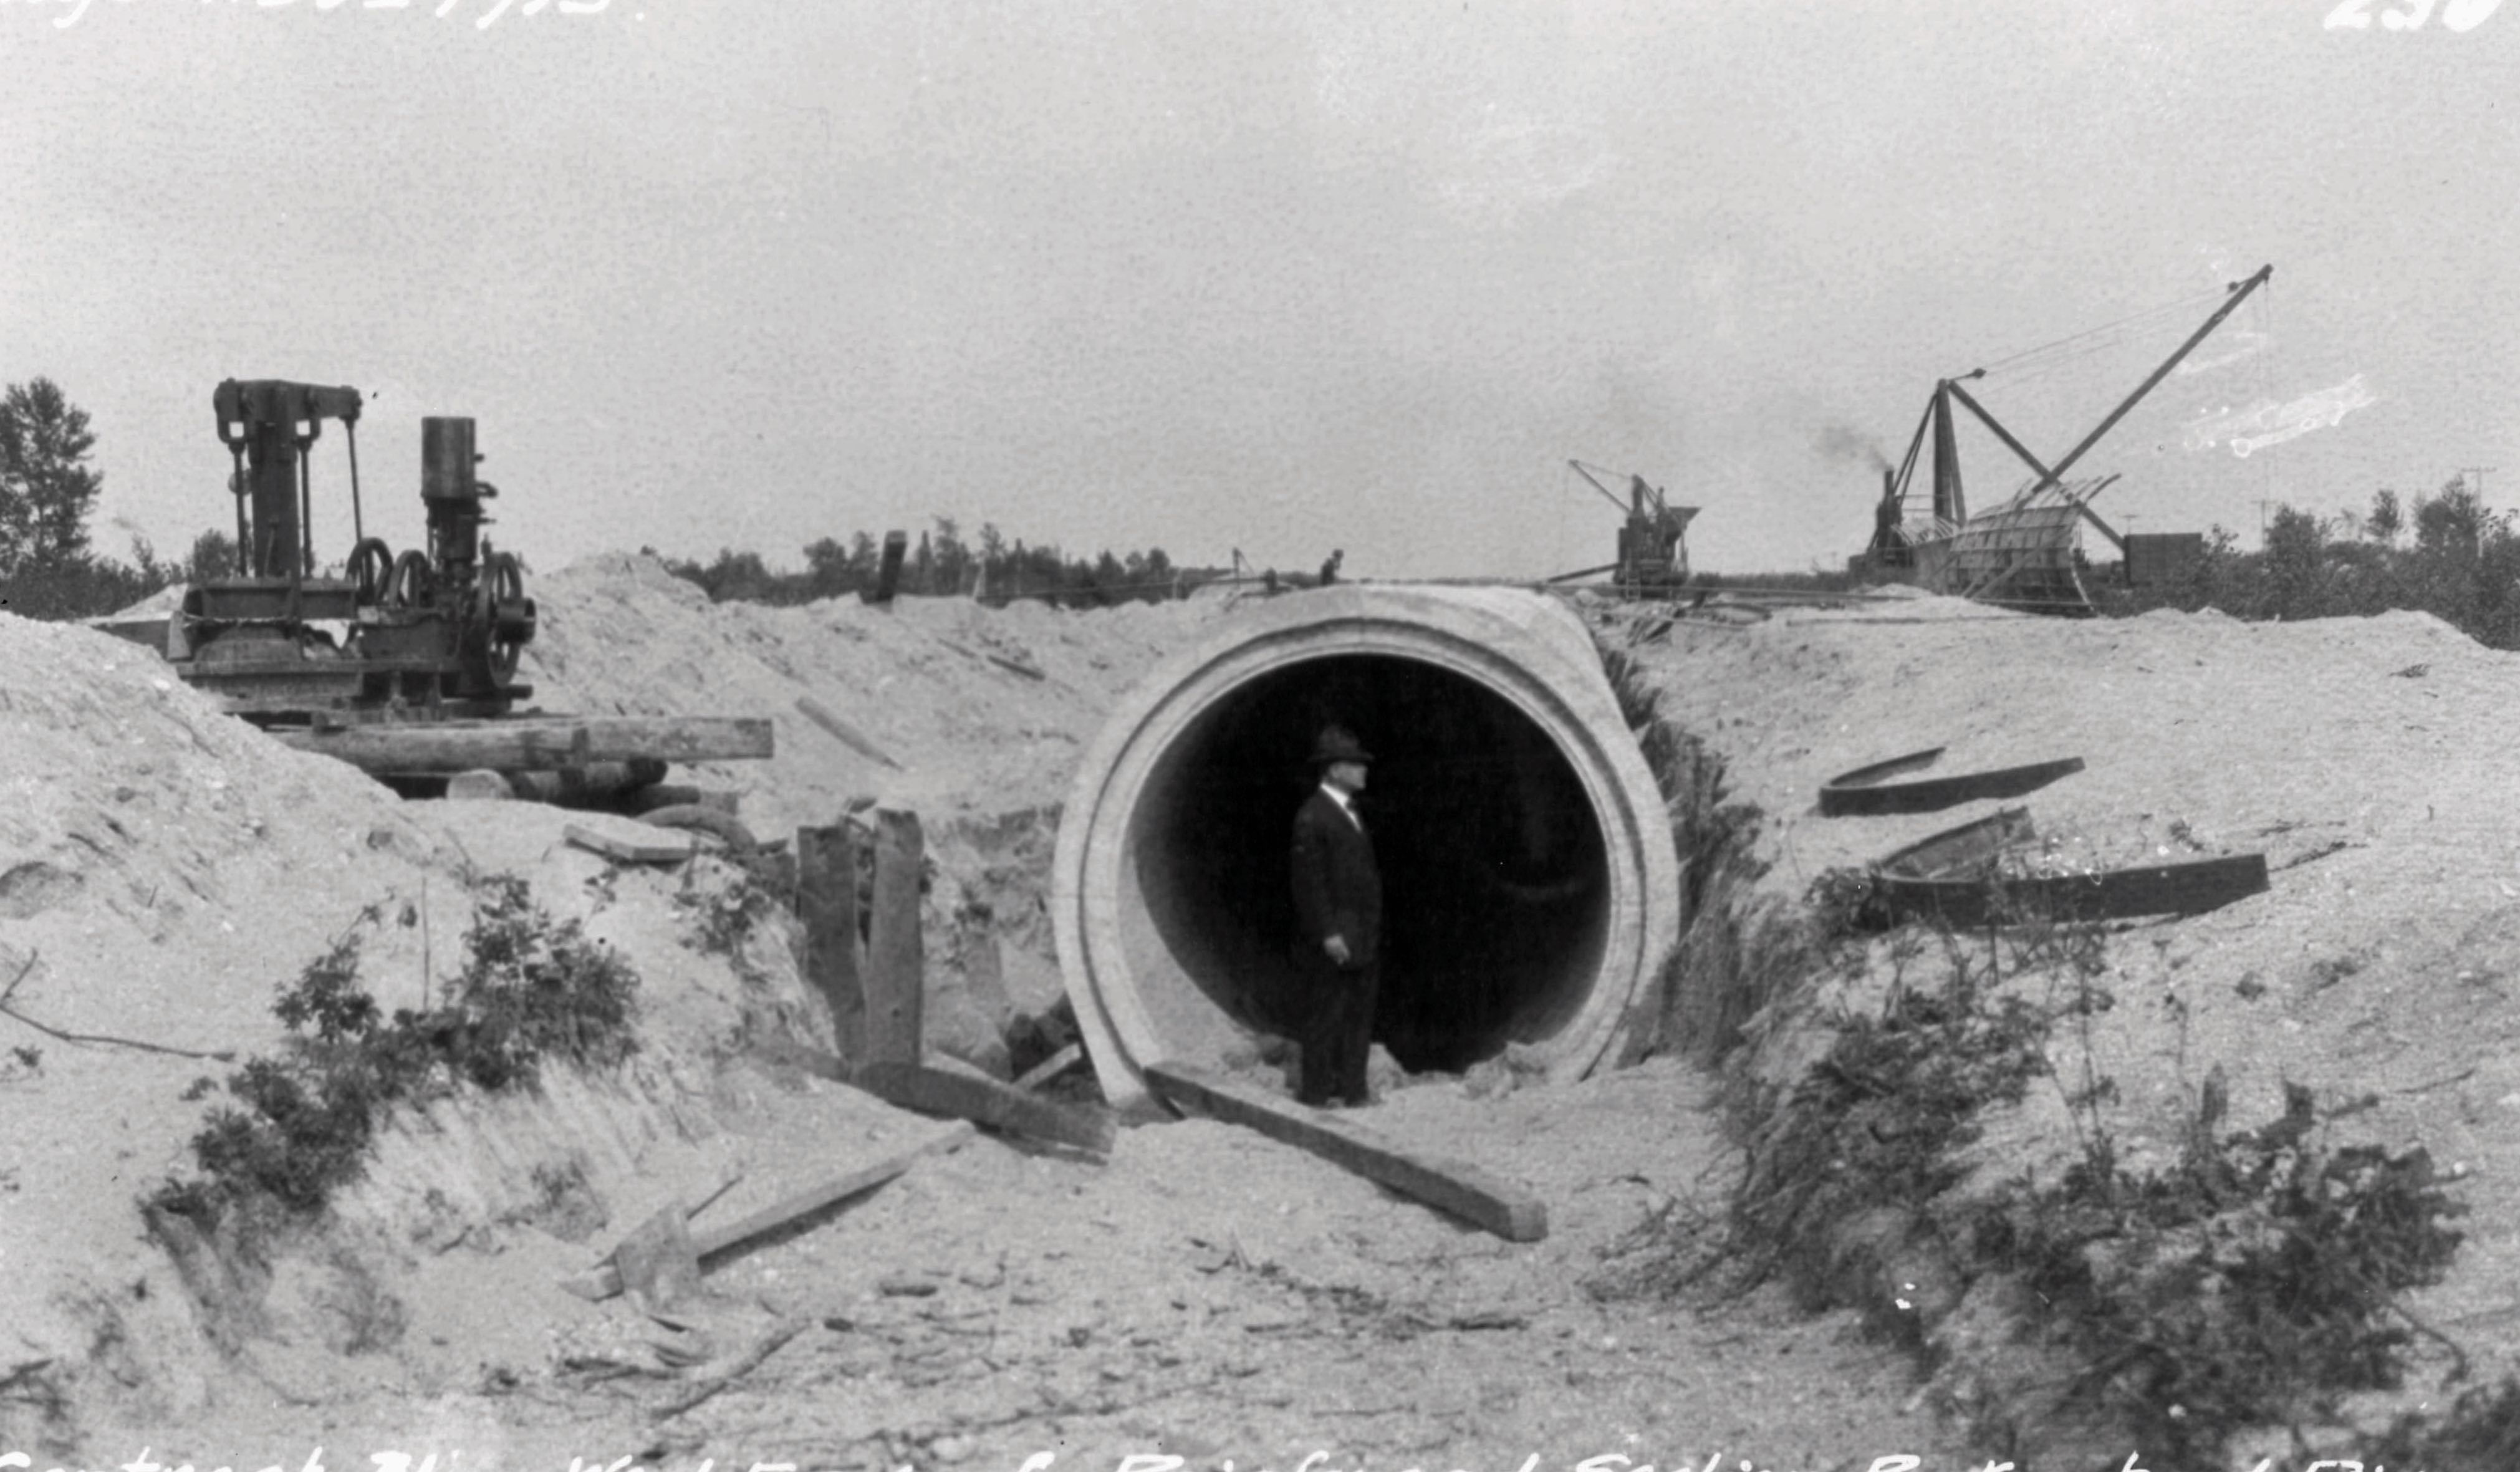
1337	892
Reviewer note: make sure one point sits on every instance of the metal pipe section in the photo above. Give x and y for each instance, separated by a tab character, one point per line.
1532	891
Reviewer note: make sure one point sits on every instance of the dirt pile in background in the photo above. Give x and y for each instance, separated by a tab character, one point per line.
975	718
980	710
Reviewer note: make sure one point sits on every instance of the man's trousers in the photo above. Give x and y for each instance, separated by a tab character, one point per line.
1337	1032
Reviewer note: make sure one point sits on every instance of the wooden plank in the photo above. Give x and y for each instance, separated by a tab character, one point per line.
603	784
841	731
1497	1205
957	1091
895	980
827	903
656	1264
1052	1066
888	572
437	748
604	1281
814	1198
987	1101
664	848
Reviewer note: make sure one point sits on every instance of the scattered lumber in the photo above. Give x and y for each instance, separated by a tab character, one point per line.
676	795
667	847
597	785
896	979
1012	666
1052	1067
956	1094
826	902
988	1102
847	735
694	817
604	1281
888	572
1503	1207
742	1365
439	748
657	1265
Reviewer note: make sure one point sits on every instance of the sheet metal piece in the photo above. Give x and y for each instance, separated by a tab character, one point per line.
1866	790
1953	876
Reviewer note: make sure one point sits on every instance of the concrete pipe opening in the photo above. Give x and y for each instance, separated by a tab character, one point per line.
1530	887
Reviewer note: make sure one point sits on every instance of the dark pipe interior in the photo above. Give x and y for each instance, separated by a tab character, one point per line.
1494	877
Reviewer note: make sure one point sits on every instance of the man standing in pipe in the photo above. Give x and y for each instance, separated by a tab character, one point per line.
1338	920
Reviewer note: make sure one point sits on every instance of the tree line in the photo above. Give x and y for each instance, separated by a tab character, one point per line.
2445	554
986	566
49	568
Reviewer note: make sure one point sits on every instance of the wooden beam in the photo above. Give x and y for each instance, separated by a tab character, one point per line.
604	1281
956	1091
826	902
887	574
1052	1066
605	784
439	748
986	1101
896	971
843	731
1500	1206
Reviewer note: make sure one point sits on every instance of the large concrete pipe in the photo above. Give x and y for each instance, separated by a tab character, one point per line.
1531	891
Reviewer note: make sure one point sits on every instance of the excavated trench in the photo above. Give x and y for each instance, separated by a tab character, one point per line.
1530	886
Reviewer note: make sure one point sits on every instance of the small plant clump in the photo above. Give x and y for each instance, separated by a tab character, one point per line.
722	916
1737	950
531	989
1879	1122
2254	1280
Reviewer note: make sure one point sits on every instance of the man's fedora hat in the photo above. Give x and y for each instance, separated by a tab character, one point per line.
1338	745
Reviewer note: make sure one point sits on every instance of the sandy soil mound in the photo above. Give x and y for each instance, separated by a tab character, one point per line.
2367	758
982	710
979	715
164	869
1203	1293
161	867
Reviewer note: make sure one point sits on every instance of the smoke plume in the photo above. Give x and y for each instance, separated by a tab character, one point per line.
1848	443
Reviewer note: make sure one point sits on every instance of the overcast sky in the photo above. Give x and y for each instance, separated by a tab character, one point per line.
1275	275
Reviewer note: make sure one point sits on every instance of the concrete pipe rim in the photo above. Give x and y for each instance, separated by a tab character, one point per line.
1524	648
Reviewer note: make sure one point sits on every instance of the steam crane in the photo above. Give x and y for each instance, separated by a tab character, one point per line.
1654	558
2019	553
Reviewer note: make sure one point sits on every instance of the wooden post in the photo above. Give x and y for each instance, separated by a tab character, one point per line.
888	577
826	901
896	966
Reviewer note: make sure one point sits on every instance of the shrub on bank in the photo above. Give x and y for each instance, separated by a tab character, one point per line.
531	989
